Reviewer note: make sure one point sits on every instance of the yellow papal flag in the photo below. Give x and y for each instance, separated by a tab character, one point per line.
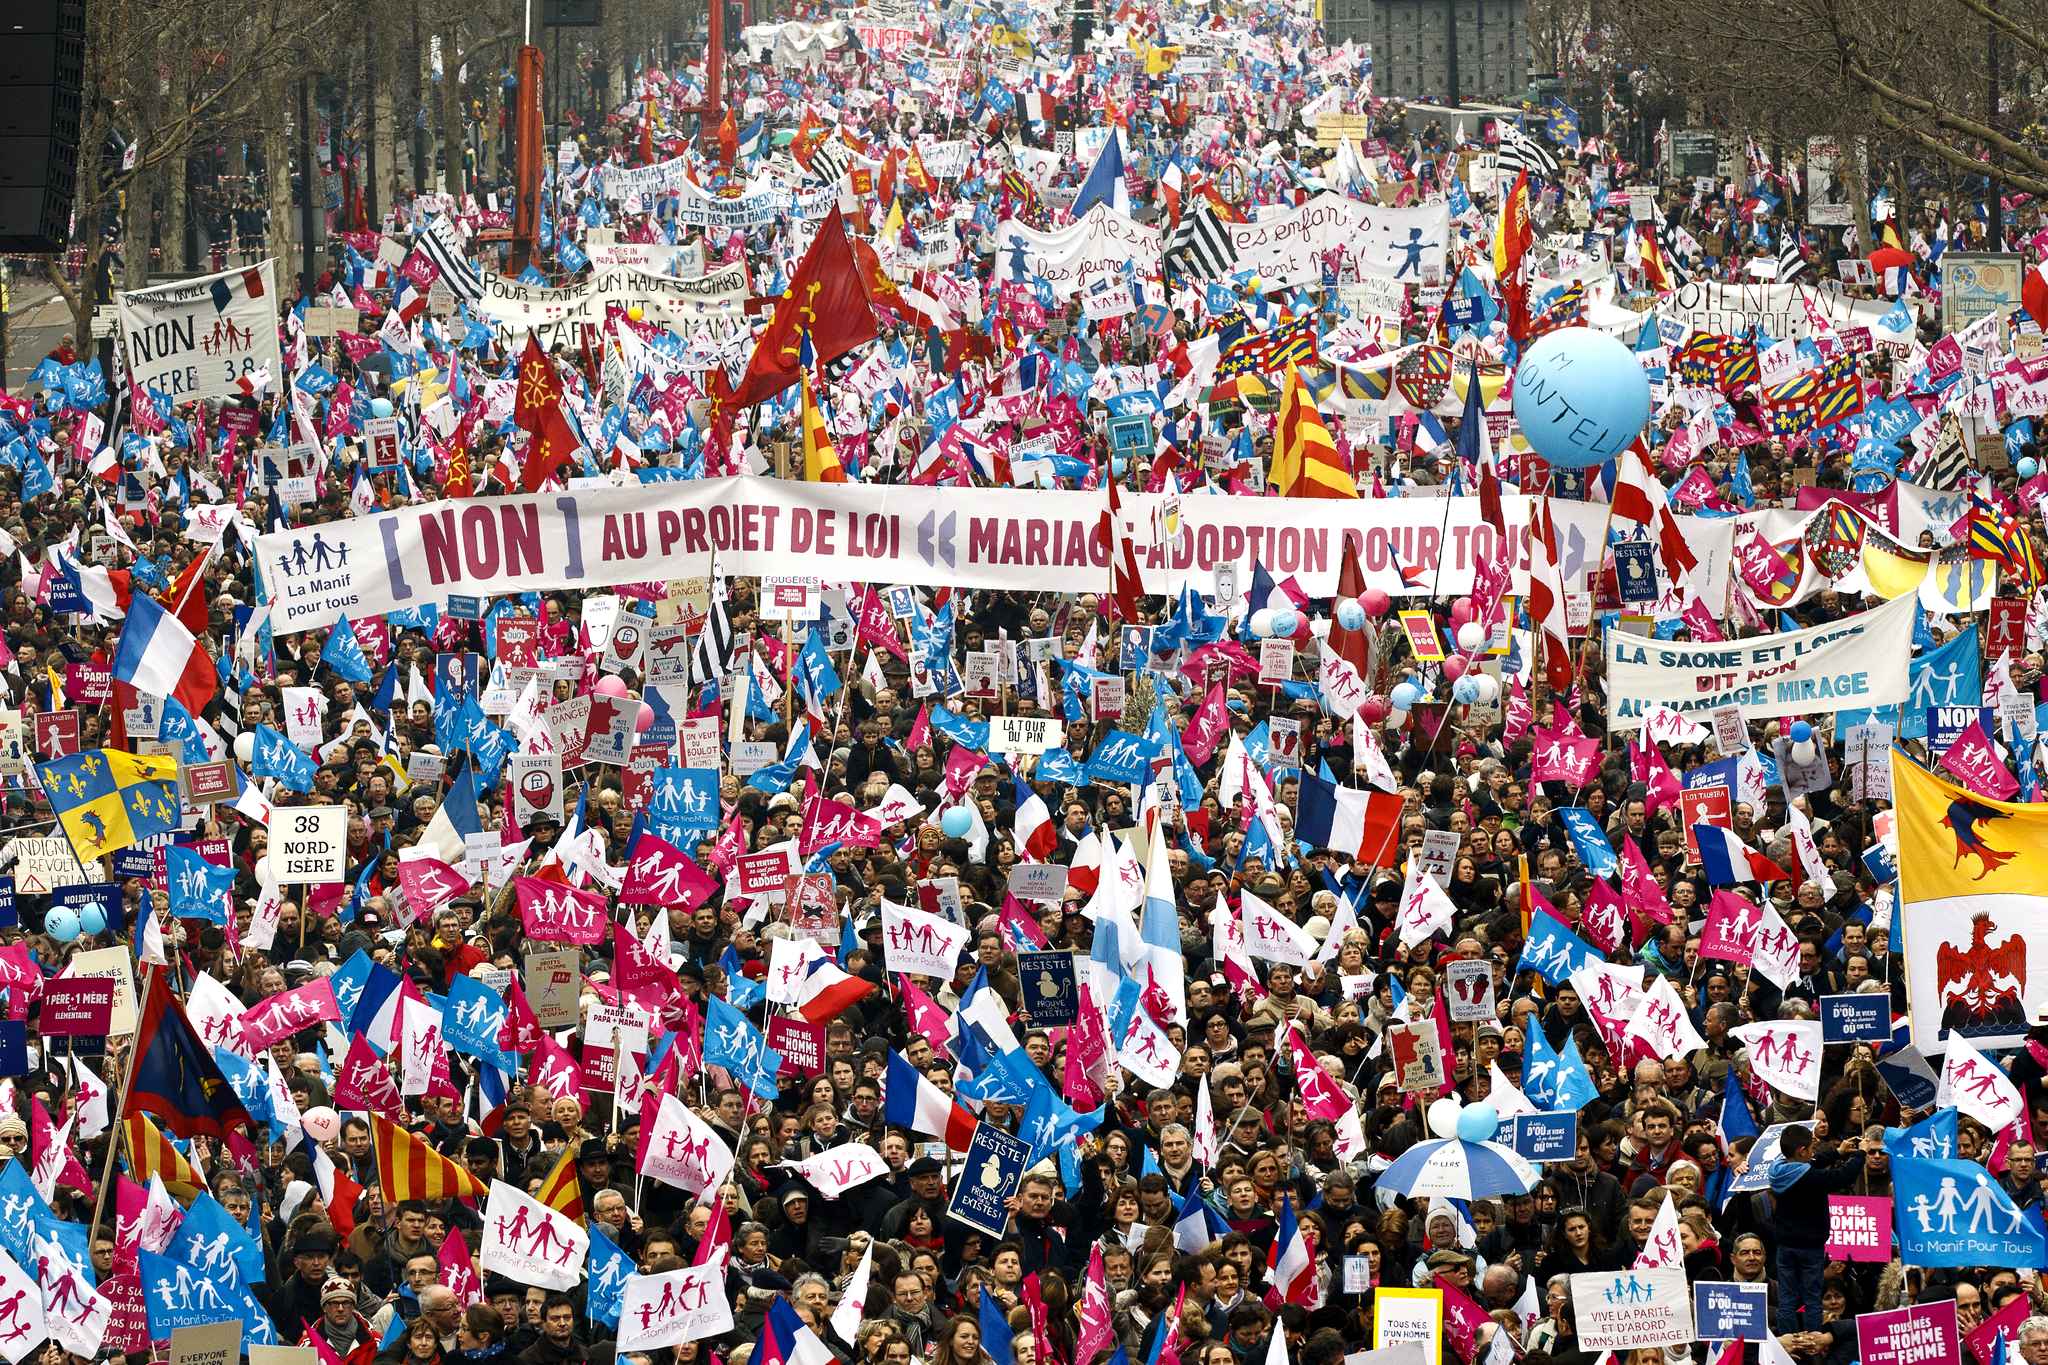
821	460
1305	459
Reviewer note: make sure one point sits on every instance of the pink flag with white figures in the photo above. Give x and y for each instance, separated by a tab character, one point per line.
55	1161
555	1071
1704	627
641	980
1761	567
1207	727
1603	919
1732	922
1639	890
290	1012
927	1016
1096	1331
1975	763
1518	712
1319	1094
363	1081
1557	757
1087	1054
429	884
458	1270
521	1030
1462	1318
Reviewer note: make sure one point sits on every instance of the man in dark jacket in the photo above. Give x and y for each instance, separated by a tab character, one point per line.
557	1344
1801	1181
295	1304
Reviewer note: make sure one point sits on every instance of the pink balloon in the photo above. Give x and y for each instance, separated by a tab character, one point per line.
1301	628
1454	667
1461	611
643	722
610	685
1374	709
1375	601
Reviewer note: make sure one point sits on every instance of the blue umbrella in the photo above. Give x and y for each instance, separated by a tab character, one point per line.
1457	1169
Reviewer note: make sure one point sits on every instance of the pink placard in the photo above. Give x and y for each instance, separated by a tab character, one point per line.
1859	1228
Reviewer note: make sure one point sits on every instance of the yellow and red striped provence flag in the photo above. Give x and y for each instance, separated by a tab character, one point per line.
409	1169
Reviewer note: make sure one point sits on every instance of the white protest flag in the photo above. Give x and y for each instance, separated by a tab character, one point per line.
93	1118
1786	1054
1367	756
21	1306
919	943
1343	691
1506	1097
419	1045
684	1151
672	1308
897	804
1207	1146
77	1315
1774	949
528	1242
1661	1021
1972	1082
217	1015
1662	1247
1424	907
836	1170
1270	935
853	1303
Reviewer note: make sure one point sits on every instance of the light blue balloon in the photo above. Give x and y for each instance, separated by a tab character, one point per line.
61	924
956	822
1404	696
1580	397
1285	623
380	407
91	919
2028	466
1350	615
1478	1122
1465	691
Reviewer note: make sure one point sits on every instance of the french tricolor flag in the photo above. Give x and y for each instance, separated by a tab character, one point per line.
910	1101
785	1340
159	656
1291	1260
1036	834
1727	860
826	990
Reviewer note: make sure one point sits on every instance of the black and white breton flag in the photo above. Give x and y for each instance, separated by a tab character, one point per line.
1791	263
441	240
830	159
1201	247
714	644
1519	151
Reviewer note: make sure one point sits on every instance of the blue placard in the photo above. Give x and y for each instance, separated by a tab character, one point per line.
13	1047
10	917
466	608
1547	1137
1883	866
1725	1310
1944	723
1635	571
1051	997
135	862
1856	1018
995	1165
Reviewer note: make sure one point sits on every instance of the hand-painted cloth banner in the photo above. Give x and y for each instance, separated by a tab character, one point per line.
1856	662
197	338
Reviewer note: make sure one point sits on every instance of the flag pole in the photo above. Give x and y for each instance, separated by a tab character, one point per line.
119	1124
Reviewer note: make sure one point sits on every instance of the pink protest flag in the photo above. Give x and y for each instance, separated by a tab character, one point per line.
640	979
1976	764
365	1082
555	1071
1096	1331
53	1161
458	1270
926	1015
429	884
1638	888
521	1030
1207	727
660	874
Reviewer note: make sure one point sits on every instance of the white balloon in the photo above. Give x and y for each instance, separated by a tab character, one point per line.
1396	718
1471	635
1262	622
1443	1117
1489	689
323	1123
245	747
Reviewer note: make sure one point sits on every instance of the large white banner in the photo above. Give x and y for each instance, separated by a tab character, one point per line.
1844	665
1406	243
1018	540
555	315
1785	311
920	943
197	337
1072	257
